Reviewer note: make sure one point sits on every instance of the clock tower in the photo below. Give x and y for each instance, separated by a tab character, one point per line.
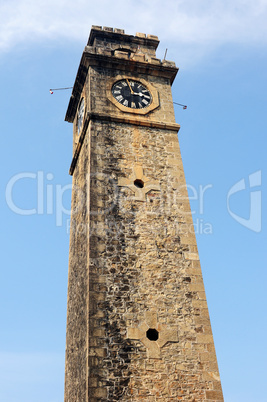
138	325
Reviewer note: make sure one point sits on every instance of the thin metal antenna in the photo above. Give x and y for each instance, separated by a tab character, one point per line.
180	104
51	90
165	54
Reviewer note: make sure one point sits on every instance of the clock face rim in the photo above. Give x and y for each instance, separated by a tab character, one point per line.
80	115
148	85
125	93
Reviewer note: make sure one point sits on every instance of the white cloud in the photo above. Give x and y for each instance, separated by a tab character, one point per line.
206	24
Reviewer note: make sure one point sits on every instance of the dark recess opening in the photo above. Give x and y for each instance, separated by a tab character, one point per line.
139	183
152	334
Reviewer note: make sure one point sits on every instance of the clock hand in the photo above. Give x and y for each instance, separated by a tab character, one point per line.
140	94
130	87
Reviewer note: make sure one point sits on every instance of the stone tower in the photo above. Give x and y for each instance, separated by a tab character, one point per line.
137	324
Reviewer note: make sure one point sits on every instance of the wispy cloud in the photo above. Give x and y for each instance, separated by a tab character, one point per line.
203	23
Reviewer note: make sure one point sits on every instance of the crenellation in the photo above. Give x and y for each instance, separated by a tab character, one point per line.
107	29
97	27
118	30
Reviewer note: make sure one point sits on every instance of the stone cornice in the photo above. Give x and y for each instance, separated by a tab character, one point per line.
89	58
137	121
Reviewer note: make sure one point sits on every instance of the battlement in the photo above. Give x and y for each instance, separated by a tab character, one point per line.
121	31
114	42
106	37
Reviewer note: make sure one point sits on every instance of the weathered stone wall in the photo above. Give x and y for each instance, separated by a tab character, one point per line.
78	290
99	78
143	272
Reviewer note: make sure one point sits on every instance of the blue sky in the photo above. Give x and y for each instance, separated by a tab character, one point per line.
220	48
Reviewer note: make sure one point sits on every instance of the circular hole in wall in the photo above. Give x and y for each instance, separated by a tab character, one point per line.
139	183
152	334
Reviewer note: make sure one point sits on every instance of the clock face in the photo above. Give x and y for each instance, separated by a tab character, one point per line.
80	116
131	94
